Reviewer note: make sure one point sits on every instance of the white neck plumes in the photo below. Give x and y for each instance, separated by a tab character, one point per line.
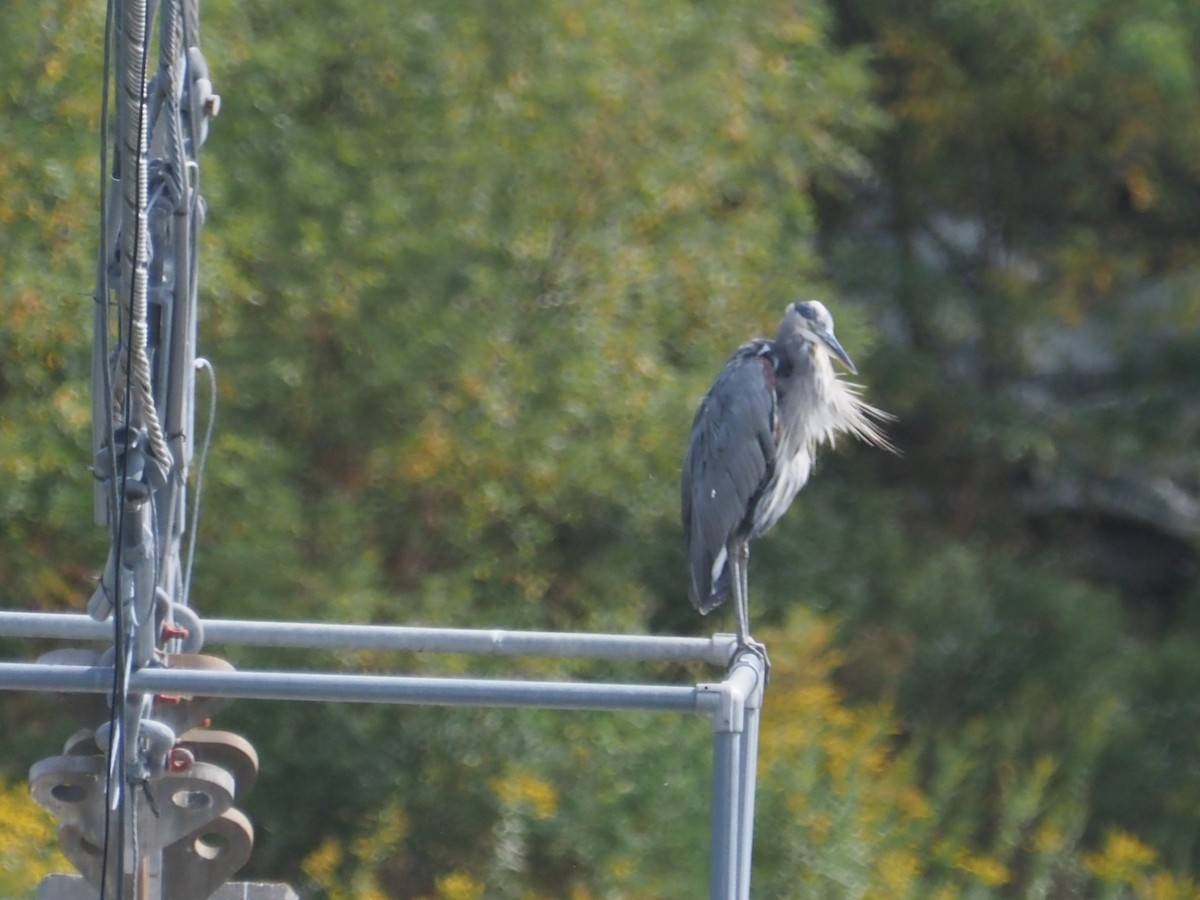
838	408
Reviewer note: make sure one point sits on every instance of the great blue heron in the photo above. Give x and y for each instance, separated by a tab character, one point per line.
752	447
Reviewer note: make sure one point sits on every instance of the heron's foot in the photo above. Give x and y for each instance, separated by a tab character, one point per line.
749	645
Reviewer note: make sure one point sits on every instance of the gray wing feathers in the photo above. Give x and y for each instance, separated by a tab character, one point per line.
730	455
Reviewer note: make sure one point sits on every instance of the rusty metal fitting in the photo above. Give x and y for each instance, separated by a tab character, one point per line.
180	759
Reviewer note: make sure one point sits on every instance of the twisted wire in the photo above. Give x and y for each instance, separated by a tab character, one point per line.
135	249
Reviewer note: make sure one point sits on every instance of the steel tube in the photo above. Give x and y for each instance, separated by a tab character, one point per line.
747	676
715	650
735	718
747	785
725	844
355	688
54	626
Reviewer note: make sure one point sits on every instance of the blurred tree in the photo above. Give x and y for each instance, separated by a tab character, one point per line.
28	848
514	233
467	272
492	257
49	160
1033	245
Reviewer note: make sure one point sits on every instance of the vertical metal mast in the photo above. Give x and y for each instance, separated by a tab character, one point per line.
140	776
140	463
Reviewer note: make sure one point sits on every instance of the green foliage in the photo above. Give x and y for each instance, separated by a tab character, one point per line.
48	165
28	849
591	805
468	269
1040	175
510	233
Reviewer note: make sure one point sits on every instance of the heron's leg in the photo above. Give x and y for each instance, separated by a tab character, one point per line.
739	555
739	558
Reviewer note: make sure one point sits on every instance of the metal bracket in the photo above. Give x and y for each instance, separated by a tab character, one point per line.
725	703
183	807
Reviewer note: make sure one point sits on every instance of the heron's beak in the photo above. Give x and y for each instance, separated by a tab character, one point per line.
832	343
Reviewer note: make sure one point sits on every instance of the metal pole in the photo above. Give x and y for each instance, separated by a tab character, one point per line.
748	771
716	650
725	843
314	686
733	707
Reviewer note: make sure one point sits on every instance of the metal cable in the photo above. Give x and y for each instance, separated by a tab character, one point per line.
135	252
138	400
105	408
170	55
201	363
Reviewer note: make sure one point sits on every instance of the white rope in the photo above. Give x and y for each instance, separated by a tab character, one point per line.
201	363
135	248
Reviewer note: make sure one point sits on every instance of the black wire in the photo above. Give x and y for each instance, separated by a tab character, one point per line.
121	650
114	500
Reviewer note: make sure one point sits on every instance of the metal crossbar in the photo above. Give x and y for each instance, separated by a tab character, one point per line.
716	650
347	688
732	705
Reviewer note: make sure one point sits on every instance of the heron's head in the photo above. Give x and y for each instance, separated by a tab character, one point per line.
812	321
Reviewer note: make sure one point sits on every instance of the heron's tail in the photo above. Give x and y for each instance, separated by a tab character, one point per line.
706	594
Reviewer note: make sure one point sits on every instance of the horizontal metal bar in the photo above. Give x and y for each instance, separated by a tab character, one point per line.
60	626
355	688
716	650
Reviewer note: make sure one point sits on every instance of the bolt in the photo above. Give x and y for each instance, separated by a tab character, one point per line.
180	759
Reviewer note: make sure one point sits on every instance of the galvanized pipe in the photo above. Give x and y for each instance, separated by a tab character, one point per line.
716	650
747	786
314	686
726	843
733	707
